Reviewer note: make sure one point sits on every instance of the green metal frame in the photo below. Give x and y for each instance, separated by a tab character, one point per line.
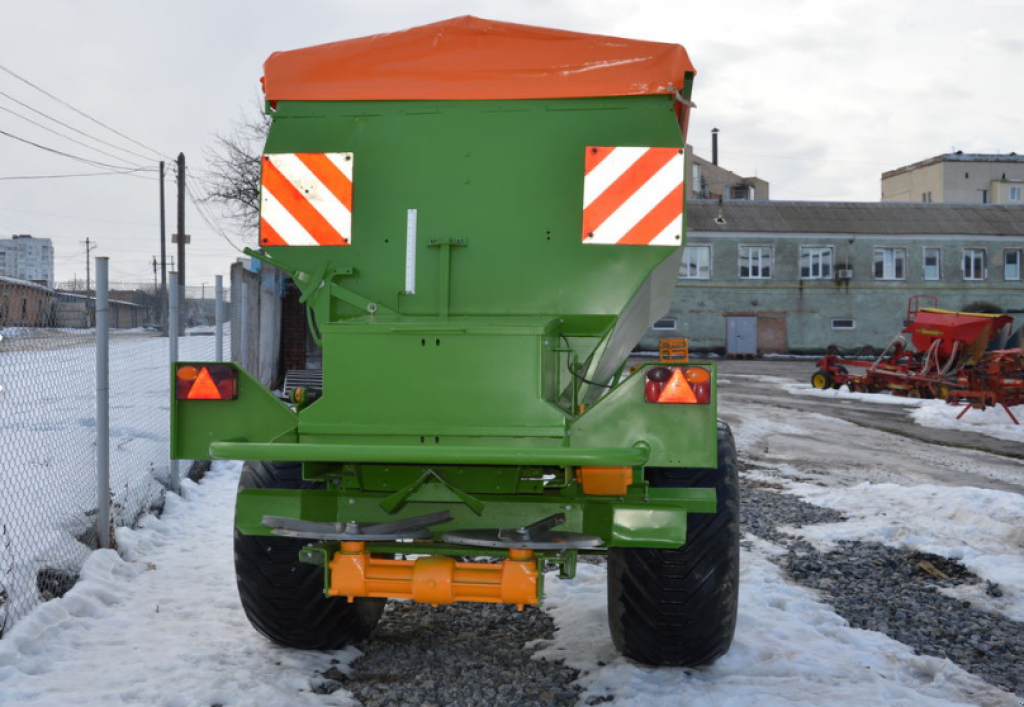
482	392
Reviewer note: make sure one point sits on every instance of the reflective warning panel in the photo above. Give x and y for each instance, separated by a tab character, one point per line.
306	199
633	196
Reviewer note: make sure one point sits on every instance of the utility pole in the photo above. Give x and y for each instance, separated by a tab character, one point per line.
88	271
154	276
181	240
163	255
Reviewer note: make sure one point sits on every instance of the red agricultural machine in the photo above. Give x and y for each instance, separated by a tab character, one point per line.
966	358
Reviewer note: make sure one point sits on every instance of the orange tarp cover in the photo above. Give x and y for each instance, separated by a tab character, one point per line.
468	58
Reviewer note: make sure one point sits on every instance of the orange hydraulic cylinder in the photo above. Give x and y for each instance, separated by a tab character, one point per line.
434	580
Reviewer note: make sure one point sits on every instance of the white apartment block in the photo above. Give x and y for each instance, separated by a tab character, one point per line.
958	178
27	258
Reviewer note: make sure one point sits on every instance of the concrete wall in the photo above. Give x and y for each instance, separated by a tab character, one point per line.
796	315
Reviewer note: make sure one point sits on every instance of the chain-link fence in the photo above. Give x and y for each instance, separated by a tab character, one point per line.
48	476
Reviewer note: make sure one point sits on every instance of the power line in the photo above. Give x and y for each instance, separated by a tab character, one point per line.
69	127
195	202
81	113
126	172
77	158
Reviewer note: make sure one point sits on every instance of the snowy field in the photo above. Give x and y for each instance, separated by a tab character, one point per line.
162	625
48	494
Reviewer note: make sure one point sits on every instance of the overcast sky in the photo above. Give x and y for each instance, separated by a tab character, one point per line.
817	97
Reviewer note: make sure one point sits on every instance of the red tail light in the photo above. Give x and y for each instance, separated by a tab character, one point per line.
678	384
205	382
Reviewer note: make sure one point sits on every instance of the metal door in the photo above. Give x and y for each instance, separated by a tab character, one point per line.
741	336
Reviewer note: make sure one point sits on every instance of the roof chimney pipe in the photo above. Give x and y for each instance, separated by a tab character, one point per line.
714	146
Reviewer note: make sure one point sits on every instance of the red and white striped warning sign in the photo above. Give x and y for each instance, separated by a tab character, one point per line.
306	199
633	196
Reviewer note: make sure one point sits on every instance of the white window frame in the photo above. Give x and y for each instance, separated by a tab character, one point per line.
889	259
1013	193
1018	254
815	259
973	276
764	261
684	265
674	327
853	323
938	262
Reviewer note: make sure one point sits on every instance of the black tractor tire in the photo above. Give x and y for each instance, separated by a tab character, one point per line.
678	607
822	380
284	598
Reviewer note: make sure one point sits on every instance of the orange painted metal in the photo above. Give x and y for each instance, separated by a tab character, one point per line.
434	580
674	351
468	58
604	480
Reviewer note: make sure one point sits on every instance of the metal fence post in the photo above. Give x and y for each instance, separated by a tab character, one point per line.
102	406
219	314
173	323
243	334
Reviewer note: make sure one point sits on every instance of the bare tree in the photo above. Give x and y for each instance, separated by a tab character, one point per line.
233	182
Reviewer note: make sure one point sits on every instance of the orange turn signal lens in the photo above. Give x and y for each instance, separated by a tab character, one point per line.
206	382
679	385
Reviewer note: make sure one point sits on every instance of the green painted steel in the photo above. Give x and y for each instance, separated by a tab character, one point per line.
481	392
390	453
644	517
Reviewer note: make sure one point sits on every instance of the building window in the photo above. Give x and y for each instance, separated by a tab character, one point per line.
927	197
696	263
983	196
1011	263
1015	193
740	192
755	262
815	263
890	263
974	263
667	324
932	263
844	324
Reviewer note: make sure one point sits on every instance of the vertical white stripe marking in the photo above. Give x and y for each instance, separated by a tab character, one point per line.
410	252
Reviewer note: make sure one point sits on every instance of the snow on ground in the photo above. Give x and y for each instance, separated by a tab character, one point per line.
48	493
981	528
790	649
162	627
993	422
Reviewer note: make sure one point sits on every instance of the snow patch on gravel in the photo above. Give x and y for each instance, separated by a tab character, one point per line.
981	528
775	661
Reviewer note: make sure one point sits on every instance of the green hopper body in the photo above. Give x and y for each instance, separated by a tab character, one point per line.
480	384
